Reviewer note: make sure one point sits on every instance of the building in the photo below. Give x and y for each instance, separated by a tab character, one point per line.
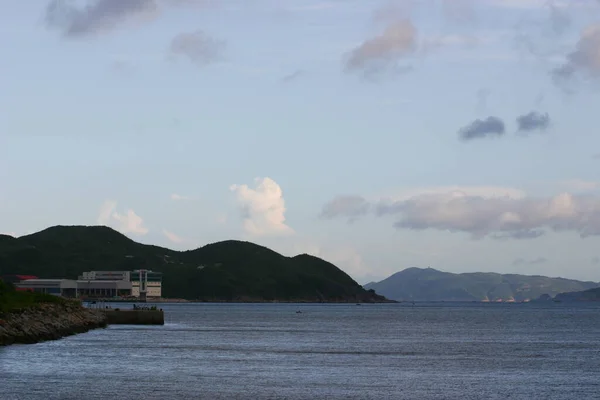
58	287
105	276
104	284
103	288
143	284
146	284
14	279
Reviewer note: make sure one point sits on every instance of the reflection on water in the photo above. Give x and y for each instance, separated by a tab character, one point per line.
268	351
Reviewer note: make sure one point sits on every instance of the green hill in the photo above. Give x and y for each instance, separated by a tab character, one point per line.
225	271
433	285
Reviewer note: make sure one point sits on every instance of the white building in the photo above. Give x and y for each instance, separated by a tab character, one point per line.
146	284
142	283
105	276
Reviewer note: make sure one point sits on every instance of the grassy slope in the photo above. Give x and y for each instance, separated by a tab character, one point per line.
221	271
430	284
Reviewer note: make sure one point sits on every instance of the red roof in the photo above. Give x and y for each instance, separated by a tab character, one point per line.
25	277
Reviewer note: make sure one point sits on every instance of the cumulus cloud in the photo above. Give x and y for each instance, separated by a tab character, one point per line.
502	217
481	128
197	46
533	121
173	237
124	223
101	16
584	59
263	208
382	53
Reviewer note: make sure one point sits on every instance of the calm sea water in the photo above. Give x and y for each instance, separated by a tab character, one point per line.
268	351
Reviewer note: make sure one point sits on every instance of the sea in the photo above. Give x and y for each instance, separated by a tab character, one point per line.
322	351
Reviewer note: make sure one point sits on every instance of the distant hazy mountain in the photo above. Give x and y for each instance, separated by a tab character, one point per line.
432	285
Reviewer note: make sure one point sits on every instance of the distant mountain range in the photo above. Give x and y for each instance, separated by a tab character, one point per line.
224	271
416	284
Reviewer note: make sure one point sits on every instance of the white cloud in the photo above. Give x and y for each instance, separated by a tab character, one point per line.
381	53
173	237
481	213
127	223
584	59
178	197
482	191
263	208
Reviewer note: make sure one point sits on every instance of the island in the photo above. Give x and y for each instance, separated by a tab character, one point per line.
428	284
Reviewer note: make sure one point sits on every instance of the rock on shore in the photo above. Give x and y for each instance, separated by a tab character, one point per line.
48	322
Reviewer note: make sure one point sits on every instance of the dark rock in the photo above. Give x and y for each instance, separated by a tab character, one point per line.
48	322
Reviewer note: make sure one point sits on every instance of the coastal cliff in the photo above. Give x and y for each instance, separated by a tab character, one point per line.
48	322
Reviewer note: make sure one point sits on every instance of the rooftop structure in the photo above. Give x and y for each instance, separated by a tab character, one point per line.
105	276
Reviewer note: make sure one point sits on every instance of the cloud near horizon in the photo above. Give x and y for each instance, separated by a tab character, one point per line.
497	217
535	261
173	237
124	223
263	208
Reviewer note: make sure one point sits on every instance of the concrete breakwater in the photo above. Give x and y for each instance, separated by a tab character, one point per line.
48	322
134	317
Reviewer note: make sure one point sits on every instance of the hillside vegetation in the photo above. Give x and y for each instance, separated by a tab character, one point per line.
224	271
433	285
11	300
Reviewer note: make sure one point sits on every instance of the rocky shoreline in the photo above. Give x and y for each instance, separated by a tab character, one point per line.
48	322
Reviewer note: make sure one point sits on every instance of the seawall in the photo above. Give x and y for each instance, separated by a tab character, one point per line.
134	317
48	322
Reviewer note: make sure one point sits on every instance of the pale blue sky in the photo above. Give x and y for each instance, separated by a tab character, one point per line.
115	108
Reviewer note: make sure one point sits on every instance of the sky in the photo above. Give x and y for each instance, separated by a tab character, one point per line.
379	135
